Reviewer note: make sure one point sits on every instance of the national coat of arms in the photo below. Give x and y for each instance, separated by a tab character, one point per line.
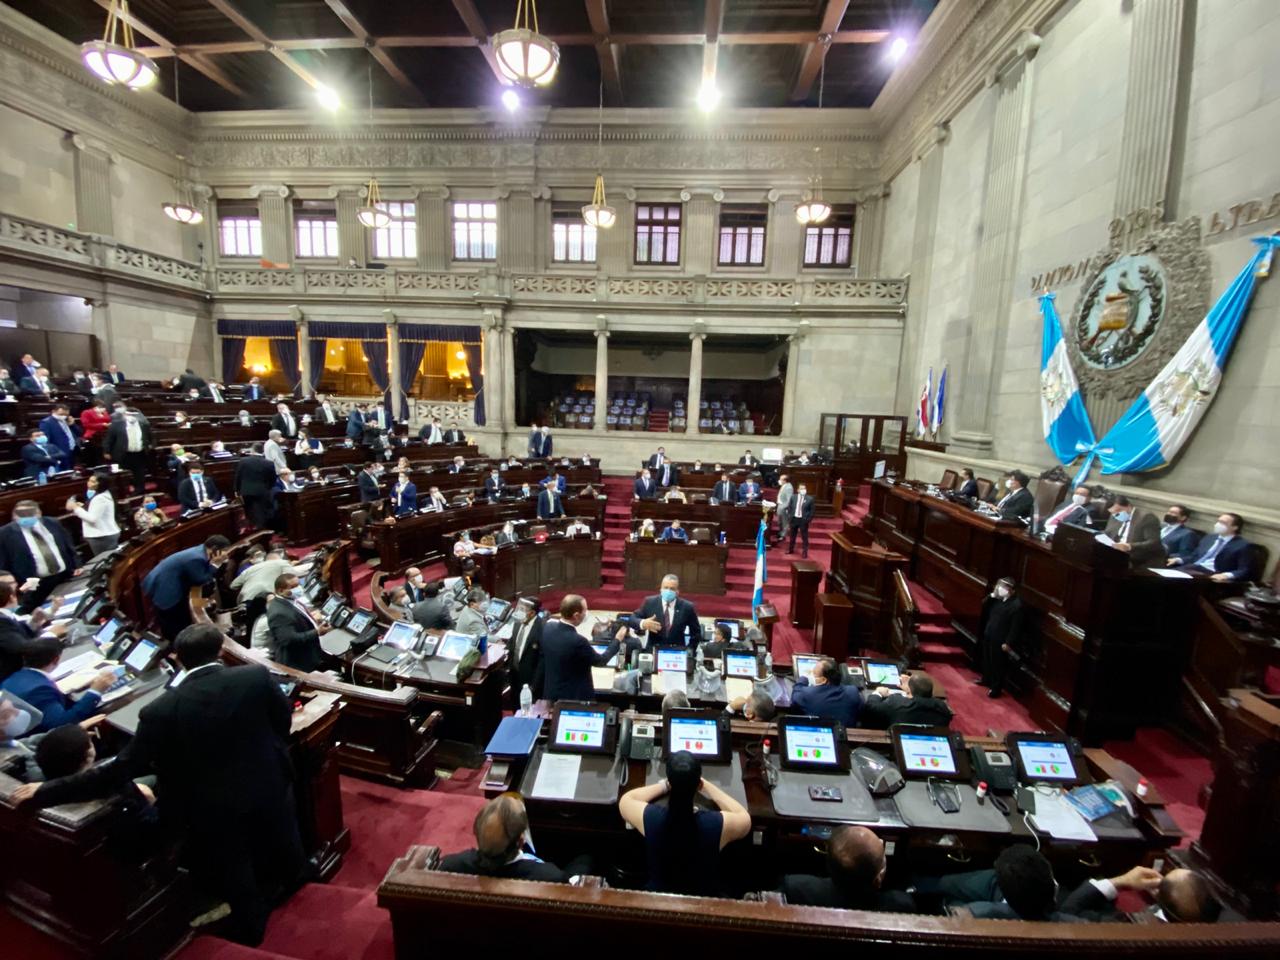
1121	312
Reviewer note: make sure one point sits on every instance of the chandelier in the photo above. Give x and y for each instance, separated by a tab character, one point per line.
813	209
116	63
371	214
184	213
598	213
524	56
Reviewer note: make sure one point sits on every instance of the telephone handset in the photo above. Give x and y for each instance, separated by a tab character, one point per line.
995	768
637	740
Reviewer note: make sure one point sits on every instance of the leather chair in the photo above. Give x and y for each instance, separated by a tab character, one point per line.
948	481
984	488
701	534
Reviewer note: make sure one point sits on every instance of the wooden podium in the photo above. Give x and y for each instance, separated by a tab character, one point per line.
806	580
832	625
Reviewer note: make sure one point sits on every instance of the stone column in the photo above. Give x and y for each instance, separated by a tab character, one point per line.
785	236
353	236
494	374
695	380
614	246
276	213
509	379
93	185
304	350
433	229
789	388
1157	60
100	324
393	361
598	424
869	229
518	232
993	282
698	233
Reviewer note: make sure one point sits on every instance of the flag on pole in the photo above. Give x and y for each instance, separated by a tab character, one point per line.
922	411
762	575
939	403
1062	415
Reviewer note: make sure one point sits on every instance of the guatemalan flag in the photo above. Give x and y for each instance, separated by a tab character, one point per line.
1164	416
1066	423
762	575
922	409
939	403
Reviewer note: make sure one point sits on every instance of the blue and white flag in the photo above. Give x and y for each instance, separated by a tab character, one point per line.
762	575
1066	422
939	402
1164	416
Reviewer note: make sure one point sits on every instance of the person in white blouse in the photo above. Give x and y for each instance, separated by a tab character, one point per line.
97	516
308	449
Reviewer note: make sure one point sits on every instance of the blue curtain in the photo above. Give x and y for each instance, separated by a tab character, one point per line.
411	352
319	346
439	331
232	358
346	329
376	351
257	328
286	356
475	368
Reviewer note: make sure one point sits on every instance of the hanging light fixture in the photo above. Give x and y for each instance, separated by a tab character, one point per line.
183	209
598	213
524	56
813	209
372	215
119	64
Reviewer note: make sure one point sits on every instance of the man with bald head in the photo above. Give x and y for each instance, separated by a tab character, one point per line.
502	848
856	866
1181	896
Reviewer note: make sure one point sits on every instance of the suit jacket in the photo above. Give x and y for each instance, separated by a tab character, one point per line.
540	446
725	491
493	487
15	639
471	623
294	638
355	425
116	444
252	392
219	744
745	461
667	475
37	459
527	666
170	580
187	381
116	377
1146	548
1074	514
1235	558
560	482
1018	506
645	489
567	659
278	422
550	505
806	511
37	689
750	491
432	614
319	416
15	555
57	432
405	501
1180	543
107	394
28	385
255	477
454	436
187	492
9	386
814	891
880	713
685	630
370	490
468	861
833	701
968	489
671	533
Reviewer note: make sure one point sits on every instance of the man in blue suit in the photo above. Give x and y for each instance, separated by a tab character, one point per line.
197	491
675	532
549	503
169	583
555	480
32	545
567	656
644	488
355	424
39	458
669	620
724	490
493	486
540	442
404	496
826	696
63	439
749	490
253	390
367	481
1223	554
1179	540
34	685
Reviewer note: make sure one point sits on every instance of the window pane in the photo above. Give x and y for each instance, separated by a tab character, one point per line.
460	241
558	241
659	240
490	211
673	245
589	244
575	242
842	247
475	210
757	245
726	244
810	246
490	240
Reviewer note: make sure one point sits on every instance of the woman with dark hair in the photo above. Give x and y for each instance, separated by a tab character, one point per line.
684	843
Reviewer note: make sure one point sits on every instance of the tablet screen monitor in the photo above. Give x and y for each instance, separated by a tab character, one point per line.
580	729
802	665
882	674
359	621
331	606
926	754
809	743
455	645
1046	760
674	661
600	649
402	636
497	609
704	733
141	655
108	632
740	665
732	627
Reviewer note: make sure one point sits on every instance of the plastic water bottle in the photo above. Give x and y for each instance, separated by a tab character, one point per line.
768	664
526	701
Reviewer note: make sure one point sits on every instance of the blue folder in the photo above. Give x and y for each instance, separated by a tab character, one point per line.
514	737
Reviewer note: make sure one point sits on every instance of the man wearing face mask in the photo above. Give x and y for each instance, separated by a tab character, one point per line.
1223	554
63	441
1135	532
197	491
493	486
285	421
404	496
1000	633
39	459
540	442
800	514
1017	502
127	444
437	501
526	647
431	434
644	488
669	620
1179	540
295	633
1074	511
526	492
550	505
168	584
506	535
36	546
432	611
503	848
367	481
567	656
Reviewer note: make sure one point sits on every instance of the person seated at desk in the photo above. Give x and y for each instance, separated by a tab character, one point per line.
1074	511
684	843
295	633
644	488
198	492
826	696
8	386
968	485
913	703
149	516
458	465
721	641
757	705
669	620
244	419
550	505
16	634
507	534
725	491
177	461
463	547
856	866
553	479
1134	531
503	848
494	486
398	603
749	490
1183	896
287	482
436	501
34	685
567	656
1017	503
675	532
470	620
404	495
414	584
314	475
646	530
218	450
511	463
675	495
307	449
697	467
1223	554
1179	540
69	750
433	611
577	529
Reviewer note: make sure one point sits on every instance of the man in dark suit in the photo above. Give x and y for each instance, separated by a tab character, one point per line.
669	620
999	634
255	483
914	703
197	491
1183	896
1074	511
1179	540
325	413
1135	532
114	375
567	656
285	421
36	385
749	491
458	465
168	584
644	488
968	485
550	505
127	443
526	647
253	390
188	381
800	514
16	635
33	685
8	386
454	434
295	634
826	696
219	744
666	474
367	481
856	866
1017	502
355	424
493	485
1223	554
540	442
432	612
725	491
26	367
39	456
33	545
747	460
502	850
415	588
63	438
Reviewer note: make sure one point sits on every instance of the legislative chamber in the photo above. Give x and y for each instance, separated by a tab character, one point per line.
751	476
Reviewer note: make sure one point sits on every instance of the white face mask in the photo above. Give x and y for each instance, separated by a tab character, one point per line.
1008	484
1079	500
1220	529
1002	592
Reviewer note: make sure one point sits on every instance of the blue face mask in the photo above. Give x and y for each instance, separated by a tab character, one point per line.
42	440
28	521
88	494
149	506
1123	516
667	594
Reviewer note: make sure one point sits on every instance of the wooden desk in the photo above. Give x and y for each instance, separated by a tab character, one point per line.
526	568
700	567
739	524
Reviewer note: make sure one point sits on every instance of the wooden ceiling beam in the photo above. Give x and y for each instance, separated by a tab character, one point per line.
193	60
608	54
480	33
352	23
712	22
832	14
232	13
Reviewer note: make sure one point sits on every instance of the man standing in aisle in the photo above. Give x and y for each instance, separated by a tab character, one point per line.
540	443
786	494
800	513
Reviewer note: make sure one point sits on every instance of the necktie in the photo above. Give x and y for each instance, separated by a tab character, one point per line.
199	491
50	558
668	617
799	506
1207	560
1124	531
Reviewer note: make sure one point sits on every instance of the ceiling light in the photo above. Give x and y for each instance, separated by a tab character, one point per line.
708	96
598	213
183	213
511	100
372	214
115	63
460	355
812	211
524	56
327	97
897	49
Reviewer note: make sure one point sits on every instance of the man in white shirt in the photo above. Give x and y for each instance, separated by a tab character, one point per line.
432	433
577	529
215	393
284	421
273	450
325	412
1074	511
437	501
33	546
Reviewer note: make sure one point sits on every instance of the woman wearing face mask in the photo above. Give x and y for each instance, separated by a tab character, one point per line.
218	450
244	419
307	449
148	516
404	495
1000	630
97	515
464	547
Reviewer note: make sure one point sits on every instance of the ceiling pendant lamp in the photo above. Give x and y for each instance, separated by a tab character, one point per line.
598	213
118	64
184	208
184	213
372	215
813	209
524	56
